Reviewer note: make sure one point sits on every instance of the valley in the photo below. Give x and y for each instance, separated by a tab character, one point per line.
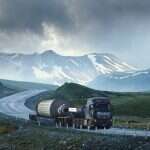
130	126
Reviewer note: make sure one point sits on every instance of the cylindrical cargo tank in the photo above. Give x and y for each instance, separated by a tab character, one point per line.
52	108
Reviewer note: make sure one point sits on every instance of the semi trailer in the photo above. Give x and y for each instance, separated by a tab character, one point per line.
95	114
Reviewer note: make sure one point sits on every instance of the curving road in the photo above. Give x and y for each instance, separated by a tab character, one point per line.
13	105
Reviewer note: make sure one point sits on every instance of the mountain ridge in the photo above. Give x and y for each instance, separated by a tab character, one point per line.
52	68
137	81
6	91
22	85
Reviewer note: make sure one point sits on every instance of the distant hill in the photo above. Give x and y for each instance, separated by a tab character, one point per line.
138	81
5	91
20	85
77	93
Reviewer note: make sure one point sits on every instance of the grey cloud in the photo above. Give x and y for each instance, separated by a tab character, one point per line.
114	25
66	14
29	15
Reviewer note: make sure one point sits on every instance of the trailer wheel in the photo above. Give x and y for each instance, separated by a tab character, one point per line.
108	126
77	124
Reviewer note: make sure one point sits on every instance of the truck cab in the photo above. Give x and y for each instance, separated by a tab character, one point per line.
99	109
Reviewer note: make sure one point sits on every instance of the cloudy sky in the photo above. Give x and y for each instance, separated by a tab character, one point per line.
76	27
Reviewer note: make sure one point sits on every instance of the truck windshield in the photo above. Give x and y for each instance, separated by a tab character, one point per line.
102	108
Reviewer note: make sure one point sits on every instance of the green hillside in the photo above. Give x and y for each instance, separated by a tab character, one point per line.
20	85
5	91
76	93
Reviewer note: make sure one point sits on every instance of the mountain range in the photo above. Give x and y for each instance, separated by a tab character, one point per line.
102	71
50	67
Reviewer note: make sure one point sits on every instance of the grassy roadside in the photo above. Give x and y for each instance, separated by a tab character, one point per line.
23	135
131	104
131	122
33	137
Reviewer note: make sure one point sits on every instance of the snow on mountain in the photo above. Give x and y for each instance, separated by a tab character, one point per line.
107	63
50	67
99	67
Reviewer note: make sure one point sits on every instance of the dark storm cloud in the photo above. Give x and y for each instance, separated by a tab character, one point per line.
17	15
110	8
65	14
116	26
22	15
107	19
